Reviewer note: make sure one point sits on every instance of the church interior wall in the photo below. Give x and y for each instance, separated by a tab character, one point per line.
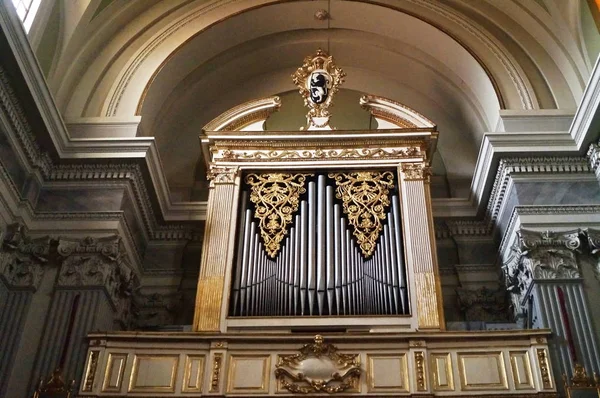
119	198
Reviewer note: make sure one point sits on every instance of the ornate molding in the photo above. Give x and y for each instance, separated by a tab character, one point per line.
530	165
415	171
279	155
222	174
216	372
335	373
420	371
22	258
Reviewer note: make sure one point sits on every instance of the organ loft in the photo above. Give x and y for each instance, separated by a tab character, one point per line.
318	273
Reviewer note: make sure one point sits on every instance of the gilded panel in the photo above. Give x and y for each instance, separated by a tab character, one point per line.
193	373
248	374
387	373
521	370
482	371
154	373
113	377
441	371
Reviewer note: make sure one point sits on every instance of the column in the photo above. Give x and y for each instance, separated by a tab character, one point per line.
22	262
546	286
420	247
93	291
217	248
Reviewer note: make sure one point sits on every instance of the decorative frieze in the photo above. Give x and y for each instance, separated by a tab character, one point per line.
23	258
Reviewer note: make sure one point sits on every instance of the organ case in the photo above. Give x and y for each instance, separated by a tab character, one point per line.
319	229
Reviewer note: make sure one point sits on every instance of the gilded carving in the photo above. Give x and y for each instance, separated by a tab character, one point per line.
216	372
335	373
544	369
318	79
90	372
415	171
221	174
316	154
55	386
365	199
276	196
420	371
581	379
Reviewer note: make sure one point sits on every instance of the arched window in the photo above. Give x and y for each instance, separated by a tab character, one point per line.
26	9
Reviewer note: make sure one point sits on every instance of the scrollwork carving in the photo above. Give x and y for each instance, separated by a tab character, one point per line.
276	196
336	372
365	198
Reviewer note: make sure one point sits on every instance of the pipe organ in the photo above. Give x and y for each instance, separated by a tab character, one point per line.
314	232
319	244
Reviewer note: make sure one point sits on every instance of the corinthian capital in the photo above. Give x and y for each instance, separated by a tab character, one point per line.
22	258
222	174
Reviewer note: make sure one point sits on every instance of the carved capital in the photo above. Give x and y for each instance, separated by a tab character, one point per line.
22	258
415	171
483	304
98	262
538	256
222	174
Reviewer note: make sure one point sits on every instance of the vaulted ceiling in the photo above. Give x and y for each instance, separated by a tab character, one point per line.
175	65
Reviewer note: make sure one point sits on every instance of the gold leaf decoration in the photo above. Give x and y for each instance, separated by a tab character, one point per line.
276	196
365	198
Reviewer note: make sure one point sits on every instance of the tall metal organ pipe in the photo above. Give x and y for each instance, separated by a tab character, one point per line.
319	269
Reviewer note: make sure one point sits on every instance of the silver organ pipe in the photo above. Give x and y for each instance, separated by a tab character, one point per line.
320	268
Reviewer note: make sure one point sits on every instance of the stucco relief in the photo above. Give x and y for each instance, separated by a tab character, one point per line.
22	258
99	262
539	256
482	304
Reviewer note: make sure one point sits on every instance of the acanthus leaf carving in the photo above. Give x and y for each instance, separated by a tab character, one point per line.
23	258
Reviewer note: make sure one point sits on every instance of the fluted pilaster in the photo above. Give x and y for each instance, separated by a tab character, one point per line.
420	244
216	249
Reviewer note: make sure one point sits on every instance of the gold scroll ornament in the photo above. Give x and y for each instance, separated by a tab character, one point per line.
365	198
276	196
318	367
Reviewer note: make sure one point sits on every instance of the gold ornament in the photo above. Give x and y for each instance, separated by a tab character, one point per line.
276	196
365	197
335	372
318	79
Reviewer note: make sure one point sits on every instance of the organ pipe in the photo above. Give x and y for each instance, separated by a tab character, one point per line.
320	268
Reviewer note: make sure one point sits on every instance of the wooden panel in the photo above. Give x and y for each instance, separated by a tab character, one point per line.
154	373
441	369
387	373
482	371
194	373
248	374
521	370
113	377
